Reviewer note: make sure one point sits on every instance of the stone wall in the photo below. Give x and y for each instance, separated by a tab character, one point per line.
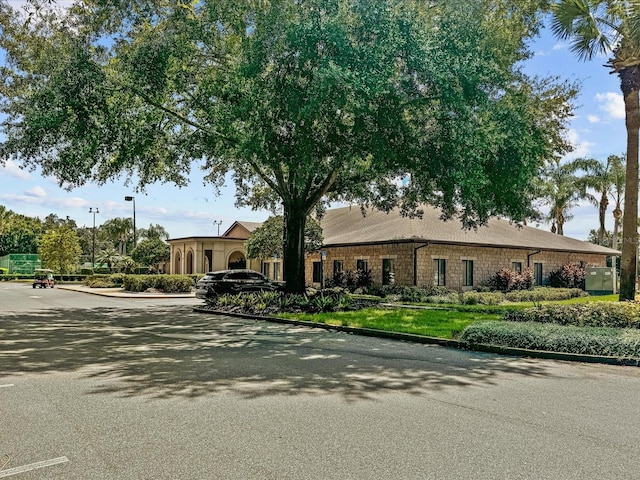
486	261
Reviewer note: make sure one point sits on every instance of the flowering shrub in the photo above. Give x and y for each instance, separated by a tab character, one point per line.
507	280
571	275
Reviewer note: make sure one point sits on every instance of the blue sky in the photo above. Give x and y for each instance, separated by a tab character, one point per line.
596	131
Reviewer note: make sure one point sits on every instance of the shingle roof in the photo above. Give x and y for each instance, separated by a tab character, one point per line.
251	226
347	226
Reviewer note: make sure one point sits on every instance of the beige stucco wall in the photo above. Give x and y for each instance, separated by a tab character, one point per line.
486	261
222	250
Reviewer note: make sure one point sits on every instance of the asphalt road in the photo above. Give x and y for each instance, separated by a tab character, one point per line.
105	388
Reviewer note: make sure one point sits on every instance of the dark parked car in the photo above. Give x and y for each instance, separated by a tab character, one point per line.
234	281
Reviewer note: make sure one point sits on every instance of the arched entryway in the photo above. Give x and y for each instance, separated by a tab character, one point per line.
176	268
237	260
189	262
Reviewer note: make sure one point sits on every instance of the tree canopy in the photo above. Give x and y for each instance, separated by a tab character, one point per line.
266	240
383	102
60	249
151	252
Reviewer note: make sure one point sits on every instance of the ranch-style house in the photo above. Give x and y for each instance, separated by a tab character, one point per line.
406	251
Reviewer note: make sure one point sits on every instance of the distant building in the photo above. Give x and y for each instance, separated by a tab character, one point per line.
204	254
401	250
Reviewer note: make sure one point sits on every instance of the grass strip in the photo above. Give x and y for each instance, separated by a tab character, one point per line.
446	324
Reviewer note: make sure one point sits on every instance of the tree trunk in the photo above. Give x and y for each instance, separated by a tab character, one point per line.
295	217
560	223
617	214
630	219
602	211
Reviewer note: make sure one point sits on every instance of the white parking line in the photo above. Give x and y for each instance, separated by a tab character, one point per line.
7	385
32	466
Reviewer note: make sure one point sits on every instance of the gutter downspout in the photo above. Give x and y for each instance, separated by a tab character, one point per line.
415	262
529	257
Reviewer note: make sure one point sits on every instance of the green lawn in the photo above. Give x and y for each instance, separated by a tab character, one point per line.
433	323
442	321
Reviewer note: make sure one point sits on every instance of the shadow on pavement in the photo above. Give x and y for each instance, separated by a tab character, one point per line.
166	352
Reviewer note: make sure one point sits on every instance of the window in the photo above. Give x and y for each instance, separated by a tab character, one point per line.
362	265
317	272
537	273
439	272
276	270
265	269
255	276
467	273
388	273
237	276
338	266
516	267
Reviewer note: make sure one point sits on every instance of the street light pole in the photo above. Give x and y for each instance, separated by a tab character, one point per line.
218	223
129	198
93	248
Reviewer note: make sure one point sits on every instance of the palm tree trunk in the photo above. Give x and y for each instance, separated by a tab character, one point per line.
602	211
616	226
630	220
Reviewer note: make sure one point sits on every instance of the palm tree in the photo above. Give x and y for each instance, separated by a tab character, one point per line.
561	190
604	178
612	27
154	231
109	256
618	179
118	231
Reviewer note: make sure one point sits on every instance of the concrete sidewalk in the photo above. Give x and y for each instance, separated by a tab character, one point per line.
121	293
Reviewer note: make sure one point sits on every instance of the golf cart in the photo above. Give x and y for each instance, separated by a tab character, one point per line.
43	278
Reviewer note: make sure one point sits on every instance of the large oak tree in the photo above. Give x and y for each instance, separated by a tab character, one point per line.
380	102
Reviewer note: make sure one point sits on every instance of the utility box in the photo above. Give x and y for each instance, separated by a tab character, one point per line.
600	280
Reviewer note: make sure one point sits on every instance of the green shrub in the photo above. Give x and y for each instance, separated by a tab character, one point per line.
451	298
615	342
594	314
117	279
99	281
267	303
163	283
545	294
482	298
413	294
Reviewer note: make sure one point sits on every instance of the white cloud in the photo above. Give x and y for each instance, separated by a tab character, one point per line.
612	103
581	147
593	118
13	170
32	198
36	191
559	46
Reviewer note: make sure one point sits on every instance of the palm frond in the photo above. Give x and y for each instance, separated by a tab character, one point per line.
589	25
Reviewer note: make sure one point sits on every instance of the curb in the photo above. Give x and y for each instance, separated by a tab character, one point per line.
443	342
119	293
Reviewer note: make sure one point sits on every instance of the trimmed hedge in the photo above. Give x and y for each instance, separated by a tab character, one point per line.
481	298
163	283
545	293
612	342
596	314
535	295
